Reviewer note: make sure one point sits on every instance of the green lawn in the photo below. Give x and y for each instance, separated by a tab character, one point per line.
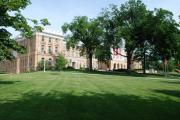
87	96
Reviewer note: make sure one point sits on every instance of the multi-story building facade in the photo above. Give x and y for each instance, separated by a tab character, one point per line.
46	46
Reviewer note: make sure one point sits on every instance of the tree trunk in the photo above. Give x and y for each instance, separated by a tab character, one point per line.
129	58
90	61
165	63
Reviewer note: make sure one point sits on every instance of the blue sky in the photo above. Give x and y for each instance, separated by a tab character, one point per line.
61	11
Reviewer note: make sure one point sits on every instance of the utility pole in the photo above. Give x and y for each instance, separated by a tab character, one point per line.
44	62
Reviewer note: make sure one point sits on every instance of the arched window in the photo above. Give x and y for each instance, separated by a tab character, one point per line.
118	66
114	65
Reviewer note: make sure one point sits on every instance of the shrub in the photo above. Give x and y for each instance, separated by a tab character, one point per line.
61	62
47	66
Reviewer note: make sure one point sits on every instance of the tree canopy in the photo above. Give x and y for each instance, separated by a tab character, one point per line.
124	23
165	33
11	17
84	32
153	33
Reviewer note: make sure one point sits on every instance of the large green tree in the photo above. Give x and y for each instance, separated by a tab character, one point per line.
157	37
131	15
165	34
16	21
177	52
111	39
124	23
86	32
148	35
11	17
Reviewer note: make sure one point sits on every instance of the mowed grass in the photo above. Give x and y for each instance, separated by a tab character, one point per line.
85	96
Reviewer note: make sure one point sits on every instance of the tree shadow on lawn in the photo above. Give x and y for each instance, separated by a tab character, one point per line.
2	81
175	75
8	82
172	82
118	73
133	74
173	93
95	106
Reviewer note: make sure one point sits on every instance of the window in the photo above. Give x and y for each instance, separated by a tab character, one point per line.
114	65
42	38
50	61
30	62
118	66
42	48
49	40
42	59
56	49
74	64
24	64
56	40
50	49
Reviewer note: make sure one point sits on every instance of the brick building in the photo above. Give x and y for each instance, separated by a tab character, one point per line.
46	46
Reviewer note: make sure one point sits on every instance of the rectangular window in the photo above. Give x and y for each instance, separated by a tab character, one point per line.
56	40
50	61
42	59
50	49
49	40
56	49
30	62
42	38
42	48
